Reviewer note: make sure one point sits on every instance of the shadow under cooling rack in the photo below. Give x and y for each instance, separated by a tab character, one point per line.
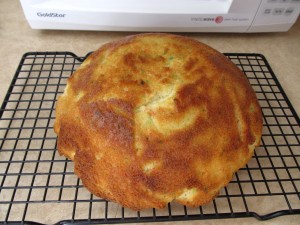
38	185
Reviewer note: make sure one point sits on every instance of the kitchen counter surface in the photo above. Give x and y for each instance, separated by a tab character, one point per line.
282	51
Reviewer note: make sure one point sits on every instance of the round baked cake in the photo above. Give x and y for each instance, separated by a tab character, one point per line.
155	118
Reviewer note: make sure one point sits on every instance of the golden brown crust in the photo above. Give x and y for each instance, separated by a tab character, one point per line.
157	117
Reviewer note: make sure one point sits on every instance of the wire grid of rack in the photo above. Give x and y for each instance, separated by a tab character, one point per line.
38	185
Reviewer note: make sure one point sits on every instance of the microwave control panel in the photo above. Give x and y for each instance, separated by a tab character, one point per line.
276	12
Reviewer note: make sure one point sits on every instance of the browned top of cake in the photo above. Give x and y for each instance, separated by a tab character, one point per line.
153	118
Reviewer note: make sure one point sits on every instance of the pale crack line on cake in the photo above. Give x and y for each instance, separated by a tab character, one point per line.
157	98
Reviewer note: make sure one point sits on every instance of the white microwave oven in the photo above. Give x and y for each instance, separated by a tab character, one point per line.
163	15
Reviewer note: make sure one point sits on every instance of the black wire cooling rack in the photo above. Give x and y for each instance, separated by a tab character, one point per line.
39	186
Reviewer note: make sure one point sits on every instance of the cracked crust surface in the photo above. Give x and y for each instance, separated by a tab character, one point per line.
154	118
